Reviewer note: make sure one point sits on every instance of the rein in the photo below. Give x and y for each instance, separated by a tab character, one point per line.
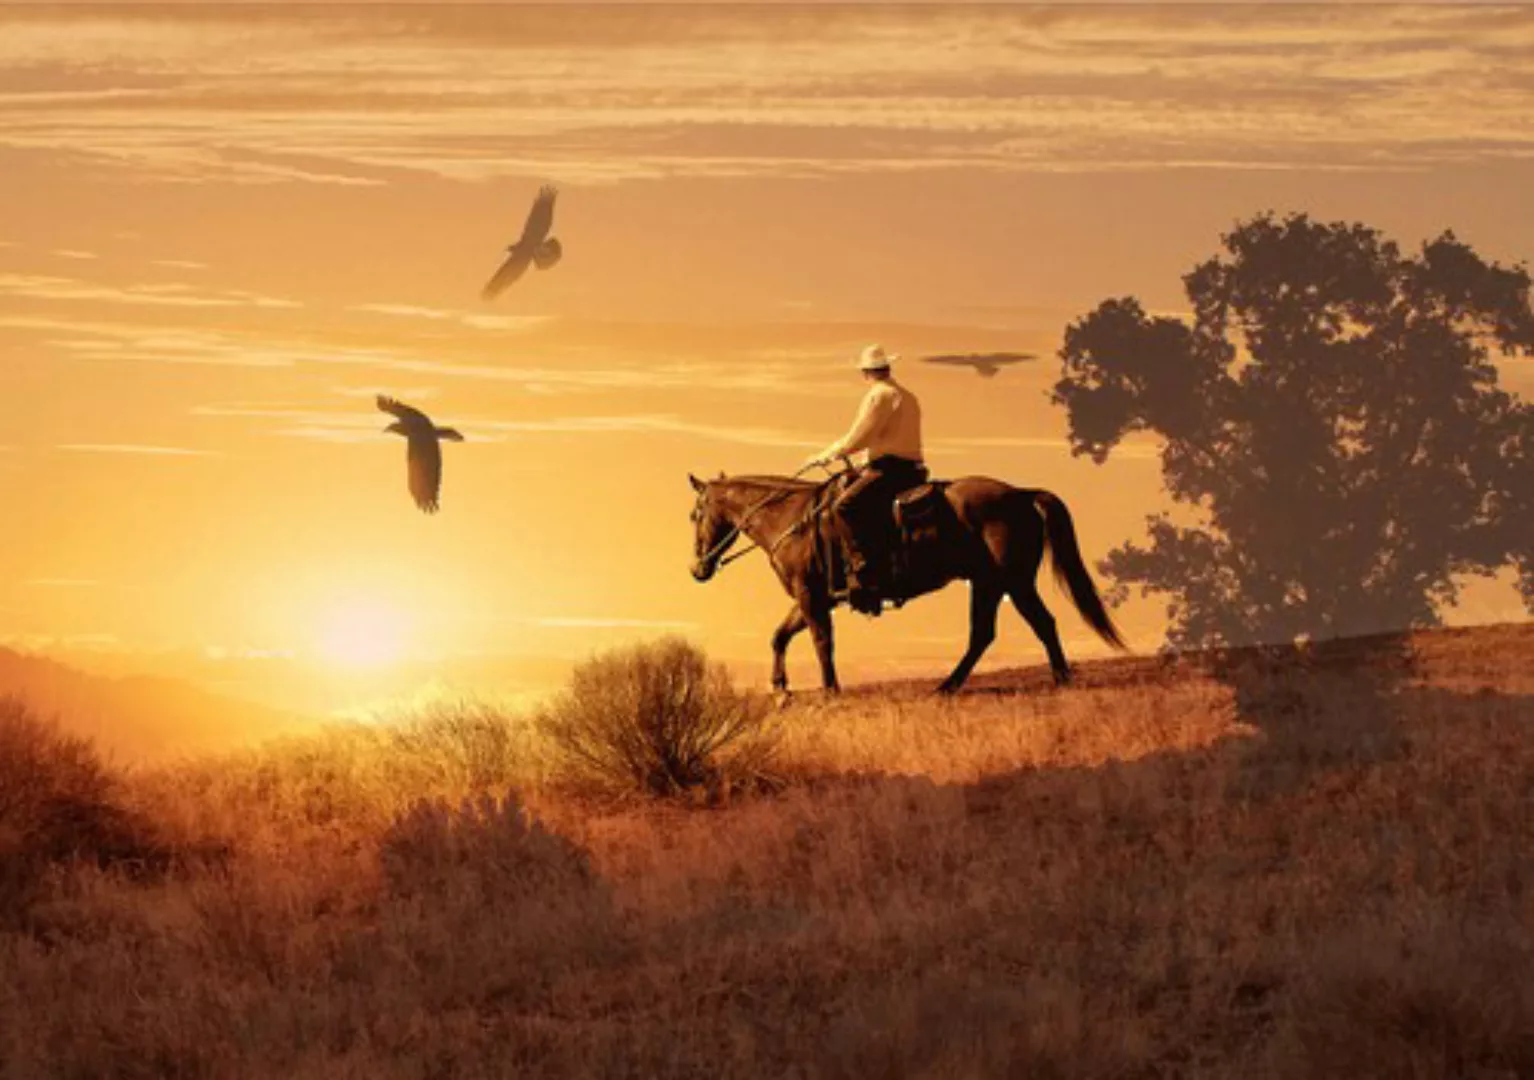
738	527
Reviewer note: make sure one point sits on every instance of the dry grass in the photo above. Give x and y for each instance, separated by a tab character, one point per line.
1296	865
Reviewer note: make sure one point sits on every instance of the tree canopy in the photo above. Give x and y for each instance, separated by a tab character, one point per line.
1331	421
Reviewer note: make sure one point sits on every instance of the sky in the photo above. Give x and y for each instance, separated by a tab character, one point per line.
222	231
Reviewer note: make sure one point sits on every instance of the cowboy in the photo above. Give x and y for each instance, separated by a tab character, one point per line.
888	431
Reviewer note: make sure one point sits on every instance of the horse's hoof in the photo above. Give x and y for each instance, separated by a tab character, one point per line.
782	698
946	690
1063	678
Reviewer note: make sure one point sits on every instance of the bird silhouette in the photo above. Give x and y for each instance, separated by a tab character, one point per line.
986	364
424	453
535	246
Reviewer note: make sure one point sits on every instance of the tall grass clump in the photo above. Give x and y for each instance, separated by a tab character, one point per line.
660	719
483	904
59	802
434	847
461	747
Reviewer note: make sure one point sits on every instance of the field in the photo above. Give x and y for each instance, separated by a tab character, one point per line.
1287	862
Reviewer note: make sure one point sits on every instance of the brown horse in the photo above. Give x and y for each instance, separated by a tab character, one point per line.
994	537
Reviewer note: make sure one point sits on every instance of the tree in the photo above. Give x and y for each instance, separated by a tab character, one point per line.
1331	423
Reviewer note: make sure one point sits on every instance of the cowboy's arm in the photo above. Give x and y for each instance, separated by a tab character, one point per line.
872	413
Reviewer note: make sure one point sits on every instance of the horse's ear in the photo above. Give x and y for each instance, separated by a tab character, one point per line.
697	485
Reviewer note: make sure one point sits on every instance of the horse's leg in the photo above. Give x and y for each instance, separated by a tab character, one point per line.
1019	555
1025	597
984	599
791	625
819	618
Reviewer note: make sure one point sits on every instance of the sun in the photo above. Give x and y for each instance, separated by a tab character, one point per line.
364	634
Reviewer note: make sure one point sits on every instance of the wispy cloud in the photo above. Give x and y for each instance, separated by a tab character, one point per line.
464	318
600	622
127	342
368	393
67	253
137	449
324	96
1137	451
174	294
326	426
82	642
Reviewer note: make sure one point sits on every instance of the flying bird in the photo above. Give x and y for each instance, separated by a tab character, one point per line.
986	364
424	454
535	246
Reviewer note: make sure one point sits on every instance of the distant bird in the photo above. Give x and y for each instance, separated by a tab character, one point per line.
535	246
986	364
424	455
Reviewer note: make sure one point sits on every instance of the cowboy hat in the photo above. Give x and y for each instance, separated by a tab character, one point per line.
874	358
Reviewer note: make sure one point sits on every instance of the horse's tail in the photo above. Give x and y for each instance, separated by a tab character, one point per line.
1070	571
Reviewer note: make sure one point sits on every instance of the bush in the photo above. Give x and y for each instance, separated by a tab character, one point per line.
660	719
484	908
460	746
58	802
491	847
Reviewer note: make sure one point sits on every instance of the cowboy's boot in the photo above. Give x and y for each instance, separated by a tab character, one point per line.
862	583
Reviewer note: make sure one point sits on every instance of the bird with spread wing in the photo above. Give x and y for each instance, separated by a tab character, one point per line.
424	450
535	247
985	364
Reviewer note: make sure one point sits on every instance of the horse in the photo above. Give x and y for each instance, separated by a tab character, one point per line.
994	537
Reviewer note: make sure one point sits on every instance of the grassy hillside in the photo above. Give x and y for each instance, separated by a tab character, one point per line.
1263	863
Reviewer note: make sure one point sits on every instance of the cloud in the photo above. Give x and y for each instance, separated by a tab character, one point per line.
174	294
659	425
1135	451
65	253
45	642
364	426
605	623
368	393
478	322
328	96
137	449
127	342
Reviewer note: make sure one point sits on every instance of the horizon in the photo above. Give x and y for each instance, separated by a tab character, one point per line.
232	228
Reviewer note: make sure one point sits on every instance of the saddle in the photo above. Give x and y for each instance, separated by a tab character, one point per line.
916	520
920	514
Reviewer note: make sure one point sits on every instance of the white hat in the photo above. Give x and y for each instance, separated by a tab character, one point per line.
874	358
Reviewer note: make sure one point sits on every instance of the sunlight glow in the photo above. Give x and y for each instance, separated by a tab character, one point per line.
365	634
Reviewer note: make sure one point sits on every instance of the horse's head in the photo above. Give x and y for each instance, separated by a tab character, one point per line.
713	531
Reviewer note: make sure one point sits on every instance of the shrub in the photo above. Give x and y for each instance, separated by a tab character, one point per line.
493	847
460	746
58	802
660	719
484	908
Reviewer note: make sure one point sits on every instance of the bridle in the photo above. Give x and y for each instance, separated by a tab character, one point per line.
736	528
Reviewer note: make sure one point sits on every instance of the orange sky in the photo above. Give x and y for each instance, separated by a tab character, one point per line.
223	232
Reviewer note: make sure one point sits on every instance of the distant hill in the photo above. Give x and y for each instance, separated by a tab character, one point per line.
138	718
